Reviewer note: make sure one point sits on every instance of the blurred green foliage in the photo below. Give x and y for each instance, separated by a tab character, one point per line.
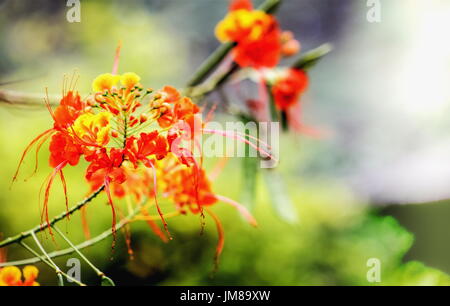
330	245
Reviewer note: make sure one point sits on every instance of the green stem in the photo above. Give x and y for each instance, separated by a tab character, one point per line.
272	107
44	260
210	86
210	64
52	222
96	270
311	58
80	246
57	269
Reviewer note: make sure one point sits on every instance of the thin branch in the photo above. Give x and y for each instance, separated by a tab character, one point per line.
16	98
80	246
210	64
57	269
96	270
52	222
212	85
44	260
310	58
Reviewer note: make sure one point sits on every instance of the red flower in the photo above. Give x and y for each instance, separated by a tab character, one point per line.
139	149
182	138
265	52
169	107
287	90
241	5
109	163
109	167
185	108
63	149
188	187
70	107
170	94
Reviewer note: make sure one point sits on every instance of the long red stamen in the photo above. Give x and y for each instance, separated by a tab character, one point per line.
196	174
155	191
84	223
240	208
47	104
113	210
153	225
127	234
63	182
221	234
218	168
81	141
26	151
47	194
38	148
234	135
263	95
294	114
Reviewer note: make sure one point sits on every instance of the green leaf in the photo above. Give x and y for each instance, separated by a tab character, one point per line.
309	59
280	200
106	281
270	6
250	166
60	279
274	115
415	273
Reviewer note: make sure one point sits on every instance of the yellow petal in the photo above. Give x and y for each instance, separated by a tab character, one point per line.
95	127
129	79
10	276
30	272
239	22
104	82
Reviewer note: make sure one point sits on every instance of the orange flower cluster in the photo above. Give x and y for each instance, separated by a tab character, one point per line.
12	276
136	141
260	43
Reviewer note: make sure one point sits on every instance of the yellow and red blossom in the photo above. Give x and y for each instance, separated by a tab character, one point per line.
257	35
169	107
133	148
92	129
244	25
138	182
148	144
12	276
114	98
